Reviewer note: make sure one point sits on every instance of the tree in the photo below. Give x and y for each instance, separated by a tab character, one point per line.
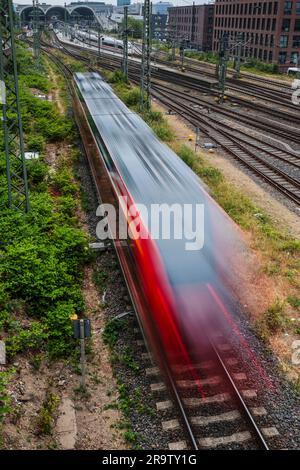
135	27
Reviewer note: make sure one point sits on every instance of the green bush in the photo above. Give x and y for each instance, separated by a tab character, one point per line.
261	66
32	339
117	77
37	171
132	97
35	143
59	327
42	253
63	182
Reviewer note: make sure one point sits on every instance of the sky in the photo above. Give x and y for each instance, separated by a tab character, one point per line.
112	2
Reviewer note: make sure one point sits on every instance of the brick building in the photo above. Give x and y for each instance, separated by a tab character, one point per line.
270	29
192	23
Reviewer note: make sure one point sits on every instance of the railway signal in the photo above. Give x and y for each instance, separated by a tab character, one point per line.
18	197
145	101
125	43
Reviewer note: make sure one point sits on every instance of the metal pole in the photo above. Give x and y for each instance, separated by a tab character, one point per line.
239	53
65	20
125	43
82	354
182	54
18	196
223	65
99	43
36	34
146	59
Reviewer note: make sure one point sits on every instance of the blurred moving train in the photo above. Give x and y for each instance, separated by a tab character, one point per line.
92	39
184	294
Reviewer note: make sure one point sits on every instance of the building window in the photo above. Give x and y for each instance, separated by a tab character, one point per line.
296	41
297	25
282	57
286	25
269	8
283	41
297	8
288	8
294	58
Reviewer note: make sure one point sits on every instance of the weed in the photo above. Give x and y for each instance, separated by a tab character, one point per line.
112	330
36	361
131	436
127	358
100	278
294	301
45	419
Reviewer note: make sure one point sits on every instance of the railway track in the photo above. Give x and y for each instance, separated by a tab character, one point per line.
237	89
222	414
237	147
259	157
220	410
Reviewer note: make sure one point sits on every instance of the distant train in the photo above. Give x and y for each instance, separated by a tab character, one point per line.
106	41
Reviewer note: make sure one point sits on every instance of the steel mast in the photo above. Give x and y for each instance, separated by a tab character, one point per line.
145	102
125	43
18	197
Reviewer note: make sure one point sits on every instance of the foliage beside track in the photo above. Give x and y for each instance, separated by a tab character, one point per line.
42	253
251	64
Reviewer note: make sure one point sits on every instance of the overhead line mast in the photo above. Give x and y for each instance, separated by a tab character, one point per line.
36	34
125	43
18	197
145	102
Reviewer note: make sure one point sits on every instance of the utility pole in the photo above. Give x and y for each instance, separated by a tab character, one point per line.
146	59
99	42
36	34
223	65
125	43
65	20
18	197
174	38
239	53
182	44
193	23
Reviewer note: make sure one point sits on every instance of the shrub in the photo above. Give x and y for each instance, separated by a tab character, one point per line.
31	339
59	327
37	171
35	143
117	77
132	97
63	182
